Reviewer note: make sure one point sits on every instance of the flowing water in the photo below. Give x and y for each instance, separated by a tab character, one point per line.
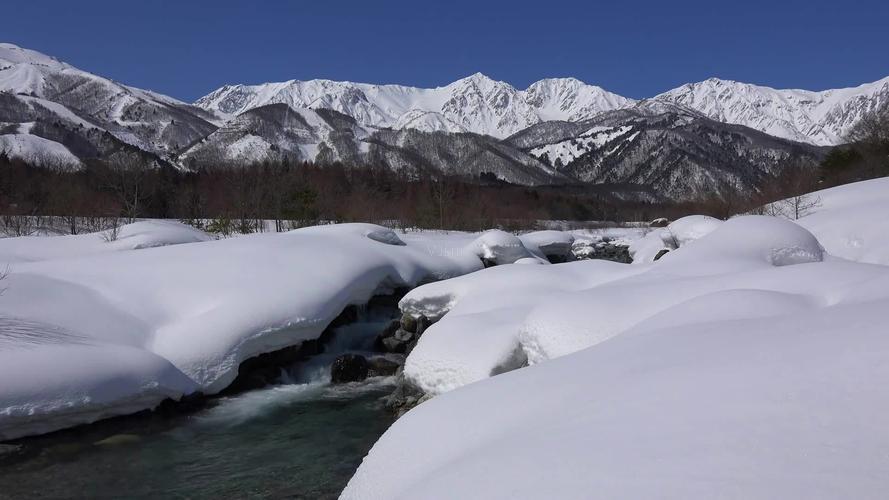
302	438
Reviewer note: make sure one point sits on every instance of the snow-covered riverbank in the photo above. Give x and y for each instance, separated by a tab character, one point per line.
743	358
747	362
91	328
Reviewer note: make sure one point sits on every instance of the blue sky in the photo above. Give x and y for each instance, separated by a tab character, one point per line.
187	48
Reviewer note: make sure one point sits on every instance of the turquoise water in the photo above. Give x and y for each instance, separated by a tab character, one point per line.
302	438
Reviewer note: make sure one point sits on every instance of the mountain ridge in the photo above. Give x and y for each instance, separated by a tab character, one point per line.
556	131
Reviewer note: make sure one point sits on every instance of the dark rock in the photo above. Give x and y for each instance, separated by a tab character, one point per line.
395	338
403	335
389	301
422	324
349	368
383	366
186	404
348	316
557	258
659	222
390	344
387	333
404	397
264	369
661	253
399	342
409	323
605	249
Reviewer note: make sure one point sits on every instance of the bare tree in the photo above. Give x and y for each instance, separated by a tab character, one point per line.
802	205
443	191
795	184
113	232
128	180
3	275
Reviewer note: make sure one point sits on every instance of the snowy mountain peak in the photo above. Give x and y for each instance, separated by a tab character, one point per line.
477	77
570	99
11	54
476	103
822	118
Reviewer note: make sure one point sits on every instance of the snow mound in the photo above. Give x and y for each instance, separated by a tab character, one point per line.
500	247
135	236
675	235
479	315
370	231
690	228
751	239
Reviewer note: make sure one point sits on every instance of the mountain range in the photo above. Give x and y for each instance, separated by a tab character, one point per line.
710	136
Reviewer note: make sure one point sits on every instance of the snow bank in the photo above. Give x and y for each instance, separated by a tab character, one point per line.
786	407
477	335
741	365
497	320
135	236
95	333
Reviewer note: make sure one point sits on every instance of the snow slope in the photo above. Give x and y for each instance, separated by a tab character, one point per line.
744	364
102	333
35	149
823	118
850	220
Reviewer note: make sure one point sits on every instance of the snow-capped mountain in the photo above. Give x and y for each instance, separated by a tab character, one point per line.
822	118
473	104
40	88
709	137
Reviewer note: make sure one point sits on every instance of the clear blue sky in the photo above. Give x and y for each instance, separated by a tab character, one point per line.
187	48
